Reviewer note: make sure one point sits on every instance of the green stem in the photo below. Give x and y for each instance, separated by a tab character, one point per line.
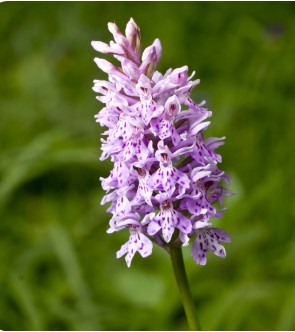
183	286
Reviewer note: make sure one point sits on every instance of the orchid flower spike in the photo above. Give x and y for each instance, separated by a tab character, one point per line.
165	182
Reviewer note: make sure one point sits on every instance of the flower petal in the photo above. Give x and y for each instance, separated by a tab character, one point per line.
208	240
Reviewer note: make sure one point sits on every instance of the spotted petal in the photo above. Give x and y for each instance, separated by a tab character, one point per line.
167	220
208	239
137	242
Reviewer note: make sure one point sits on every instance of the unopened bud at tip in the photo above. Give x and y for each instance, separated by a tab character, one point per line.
104	65
100	47
113	28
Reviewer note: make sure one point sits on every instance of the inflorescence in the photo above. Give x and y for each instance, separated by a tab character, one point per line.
165	181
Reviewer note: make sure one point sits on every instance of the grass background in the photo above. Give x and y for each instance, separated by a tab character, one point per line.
58	269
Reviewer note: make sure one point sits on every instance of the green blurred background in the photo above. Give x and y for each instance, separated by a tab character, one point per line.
58	269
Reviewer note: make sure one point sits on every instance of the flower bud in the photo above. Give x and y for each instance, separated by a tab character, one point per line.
133	35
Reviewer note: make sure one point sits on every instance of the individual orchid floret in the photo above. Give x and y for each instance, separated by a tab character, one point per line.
168	219
107	49
138	242
147	108
167	176
150	58
133	36
208	239
119	177
165	186
144	191
163	126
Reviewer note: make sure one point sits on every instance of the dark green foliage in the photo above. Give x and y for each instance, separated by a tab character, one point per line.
58	268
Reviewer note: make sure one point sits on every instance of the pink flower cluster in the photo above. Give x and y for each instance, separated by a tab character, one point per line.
165	179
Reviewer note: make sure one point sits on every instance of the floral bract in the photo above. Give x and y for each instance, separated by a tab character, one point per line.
165	181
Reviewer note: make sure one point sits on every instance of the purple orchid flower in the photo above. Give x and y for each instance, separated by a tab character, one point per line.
165	182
